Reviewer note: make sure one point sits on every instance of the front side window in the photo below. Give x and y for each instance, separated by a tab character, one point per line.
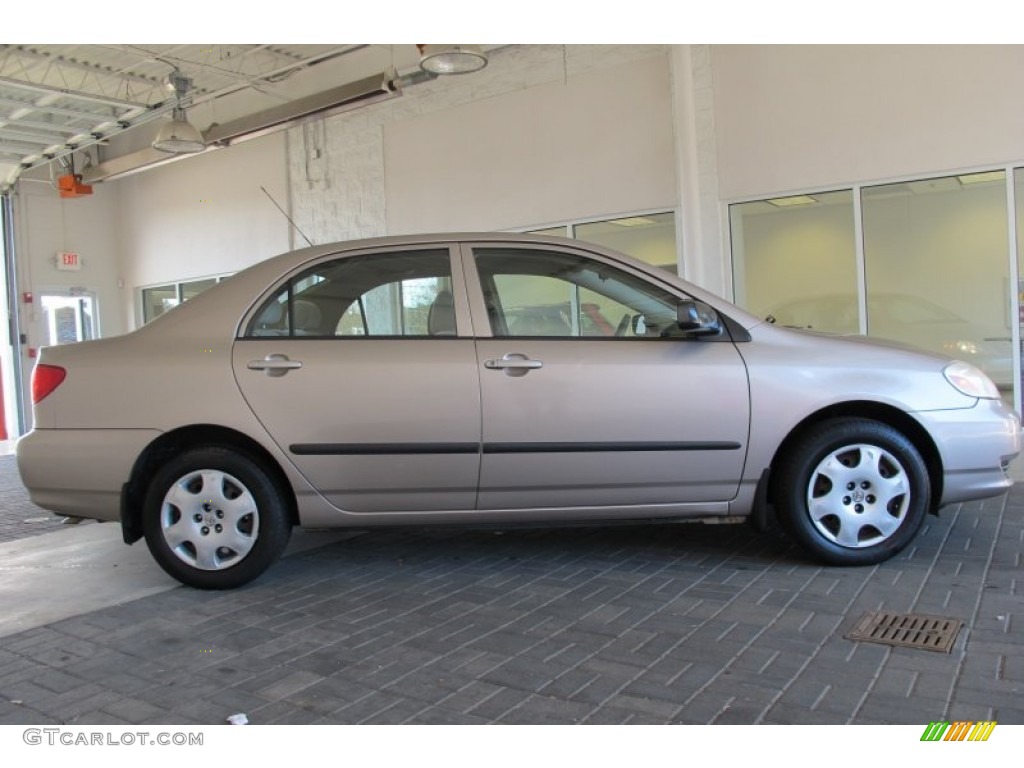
533	293
381	295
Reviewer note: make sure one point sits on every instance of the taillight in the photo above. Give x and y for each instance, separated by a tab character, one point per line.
45	379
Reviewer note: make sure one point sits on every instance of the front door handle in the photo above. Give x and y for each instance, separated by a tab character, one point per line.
274	365
514	364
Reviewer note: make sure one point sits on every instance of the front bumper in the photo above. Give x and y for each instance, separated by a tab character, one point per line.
976	446
80	472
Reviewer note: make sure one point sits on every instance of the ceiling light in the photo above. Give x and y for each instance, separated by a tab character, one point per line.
785	202
452	59
179	136
980	178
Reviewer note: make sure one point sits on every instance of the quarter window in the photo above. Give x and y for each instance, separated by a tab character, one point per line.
383	295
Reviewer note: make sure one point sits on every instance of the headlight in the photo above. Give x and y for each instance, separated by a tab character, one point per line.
970	381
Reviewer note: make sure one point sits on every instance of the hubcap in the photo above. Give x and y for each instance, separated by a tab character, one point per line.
209	519
858	496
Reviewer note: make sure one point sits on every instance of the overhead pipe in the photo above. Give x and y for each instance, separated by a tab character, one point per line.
334	101
360	93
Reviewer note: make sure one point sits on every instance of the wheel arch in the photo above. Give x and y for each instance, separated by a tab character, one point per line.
176	441
880	412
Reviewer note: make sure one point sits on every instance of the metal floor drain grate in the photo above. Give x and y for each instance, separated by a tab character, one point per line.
907	630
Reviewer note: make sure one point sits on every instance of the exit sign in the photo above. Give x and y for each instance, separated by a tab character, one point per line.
69	260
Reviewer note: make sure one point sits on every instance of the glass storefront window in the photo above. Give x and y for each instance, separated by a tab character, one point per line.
551	231
794	259
650	238
936	268
161	298
156	301
194	288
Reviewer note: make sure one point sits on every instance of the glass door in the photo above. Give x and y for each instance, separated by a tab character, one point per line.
68	318
10	371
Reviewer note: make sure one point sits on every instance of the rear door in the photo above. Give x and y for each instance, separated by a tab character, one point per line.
362	369
591	395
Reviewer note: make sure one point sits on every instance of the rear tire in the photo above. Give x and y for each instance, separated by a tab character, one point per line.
214	518
852	491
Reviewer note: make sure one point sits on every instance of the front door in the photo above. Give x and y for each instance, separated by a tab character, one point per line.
592	396
356	369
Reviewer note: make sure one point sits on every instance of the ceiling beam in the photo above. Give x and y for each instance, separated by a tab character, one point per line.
81	66
78	114
32	138
69	94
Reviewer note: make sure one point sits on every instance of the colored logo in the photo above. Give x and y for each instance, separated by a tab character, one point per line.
960	730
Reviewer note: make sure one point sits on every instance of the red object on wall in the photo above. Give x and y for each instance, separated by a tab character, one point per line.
70	185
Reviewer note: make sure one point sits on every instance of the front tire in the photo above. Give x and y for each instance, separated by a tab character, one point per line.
213	518
853	491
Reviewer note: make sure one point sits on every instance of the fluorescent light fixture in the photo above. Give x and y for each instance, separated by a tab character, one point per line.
633	221
981	178
787	202
452	59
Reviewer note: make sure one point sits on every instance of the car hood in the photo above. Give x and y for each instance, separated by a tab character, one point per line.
862	341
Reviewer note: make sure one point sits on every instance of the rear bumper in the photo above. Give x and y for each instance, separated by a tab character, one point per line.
80	472
976	446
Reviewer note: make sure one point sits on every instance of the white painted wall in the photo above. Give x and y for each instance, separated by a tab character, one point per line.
812	116
599	142
201	216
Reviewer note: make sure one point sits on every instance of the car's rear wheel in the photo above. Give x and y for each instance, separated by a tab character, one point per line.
214	518
852	491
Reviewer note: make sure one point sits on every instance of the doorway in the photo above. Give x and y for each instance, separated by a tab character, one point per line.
68	317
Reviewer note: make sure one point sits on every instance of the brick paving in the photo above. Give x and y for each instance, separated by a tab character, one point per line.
670	624
19	517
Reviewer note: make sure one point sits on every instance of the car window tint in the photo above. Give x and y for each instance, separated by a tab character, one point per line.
395	294
560	295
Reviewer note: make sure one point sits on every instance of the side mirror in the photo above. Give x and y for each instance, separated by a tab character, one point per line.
695	318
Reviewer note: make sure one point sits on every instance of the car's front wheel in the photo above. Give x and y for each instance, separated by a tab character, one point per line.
852	491
214	519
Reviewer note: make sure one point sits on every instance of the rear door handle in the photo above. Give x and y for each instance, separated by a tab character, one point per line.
274	365
514	364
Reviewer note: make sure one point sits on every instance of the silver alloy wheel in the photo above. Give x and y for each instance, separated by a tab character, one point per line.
209	519
858	496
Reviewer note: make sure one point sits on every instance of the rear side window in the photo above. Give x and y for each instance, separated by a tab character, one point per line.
380	295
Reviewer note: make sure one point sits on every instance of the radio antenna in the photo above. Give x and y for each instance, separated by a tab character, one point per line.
287	216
